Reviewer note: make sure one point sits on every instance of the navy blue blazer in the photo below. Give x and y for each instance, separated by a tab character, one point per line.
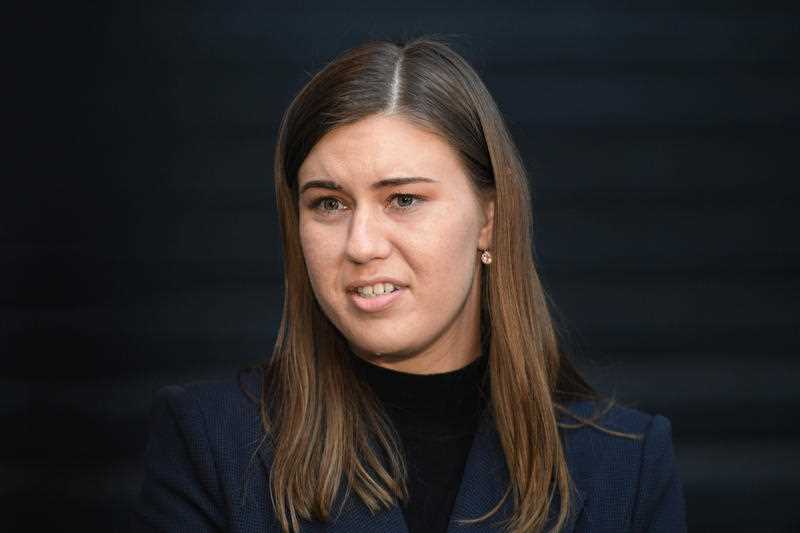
202	472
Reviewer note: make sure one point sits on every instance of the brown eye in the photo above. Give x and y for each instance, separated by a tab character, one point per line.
406	201
329	204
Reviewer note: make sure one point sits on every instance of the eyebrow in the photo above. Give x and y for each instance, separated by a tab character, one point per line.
387	182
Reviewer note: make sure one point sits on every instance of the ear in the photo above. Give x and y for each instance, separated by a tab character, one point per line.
485	237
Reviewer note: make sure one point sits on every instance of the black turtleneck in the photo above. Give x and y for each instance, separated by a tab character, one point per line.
436	416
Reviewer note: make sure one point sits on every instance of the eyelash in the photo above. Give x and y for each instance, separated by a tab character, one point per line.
316	204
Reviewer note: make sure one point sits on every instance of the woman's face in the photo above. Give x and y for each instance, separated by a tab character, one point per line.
384	203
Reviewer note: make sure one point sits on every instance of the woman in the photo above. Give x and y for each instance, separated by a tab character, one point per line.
416	383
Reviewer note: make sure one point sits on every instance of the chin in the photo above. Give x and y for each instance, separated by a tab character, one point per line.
380	347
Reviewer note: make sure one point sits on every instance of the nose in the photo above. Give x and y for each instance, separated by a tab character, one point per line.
367	239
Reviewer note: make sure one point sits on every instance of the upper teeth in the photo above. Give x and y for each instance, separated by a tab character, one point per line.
374	290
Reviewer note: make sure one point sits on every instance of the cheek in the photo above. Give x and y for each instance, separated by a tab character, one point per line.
444	254
319	253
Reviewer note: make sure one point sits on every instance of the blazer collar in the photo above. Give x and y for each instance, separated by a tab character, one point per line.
483	484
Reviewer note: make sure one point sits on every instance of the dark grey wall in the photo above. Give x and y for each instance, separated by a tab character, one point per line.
140	245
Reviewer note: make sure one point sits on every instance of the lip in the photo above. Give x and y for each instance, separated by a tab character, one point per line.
364	282
376	303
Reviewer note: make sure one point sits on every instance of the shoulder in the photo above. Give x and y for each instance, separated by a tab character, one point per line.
215	397
635	474
613	416
240	388
203	437
213	409
629	433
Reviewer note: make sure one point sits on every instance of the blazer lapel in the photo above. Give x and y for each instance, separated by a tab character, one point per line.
484	482
356	516
482	486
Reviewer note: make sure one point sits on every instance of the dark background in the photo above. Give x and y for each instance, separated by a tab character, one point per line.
139	243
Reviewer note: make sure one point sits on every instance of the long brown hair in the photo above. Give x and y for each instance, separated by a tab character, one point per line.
321	422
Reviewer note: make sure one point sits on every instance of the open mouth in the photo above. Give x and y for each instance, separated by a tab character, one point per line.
374	295
375	302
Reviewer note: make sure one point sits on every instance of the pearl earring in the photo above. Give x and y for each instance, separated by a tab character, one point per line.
486	257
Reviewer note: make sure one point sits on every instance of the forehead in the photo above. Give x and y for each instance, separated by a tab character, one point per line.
380	146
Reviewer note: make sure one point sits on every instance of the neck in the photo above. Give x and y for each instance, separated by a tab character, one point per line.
456	395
